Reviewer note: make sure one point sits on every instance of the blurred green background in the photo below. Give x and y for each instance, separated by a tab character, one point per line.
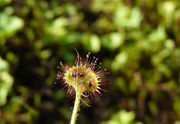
138	41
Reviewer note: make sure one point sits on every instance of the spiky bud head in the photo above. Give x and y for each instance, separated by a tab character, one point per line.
85	77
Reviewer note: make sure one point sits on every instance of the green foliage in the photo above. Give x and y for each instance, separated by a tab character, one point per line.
91	42
57	27
112	41
6	81
9	25
122	117
3	2
138	41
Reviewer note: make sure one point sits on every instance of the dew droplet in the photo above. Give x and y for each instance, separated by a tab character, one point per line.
73	75
87	77
61	63
81	74
82	82
90	84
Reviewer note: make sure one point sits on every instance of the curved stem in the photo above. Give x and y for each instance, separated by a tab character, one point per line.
76	108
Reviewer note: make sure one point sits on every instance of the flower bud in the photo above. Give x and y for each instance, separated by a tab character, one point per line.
85	78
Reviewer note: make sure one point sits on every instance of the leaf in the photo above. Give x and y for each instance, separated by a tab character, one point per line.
6	81
9	25
91	42
4	2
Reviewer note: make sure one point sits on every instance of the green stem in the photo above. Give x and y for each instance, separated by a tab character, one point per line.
76	108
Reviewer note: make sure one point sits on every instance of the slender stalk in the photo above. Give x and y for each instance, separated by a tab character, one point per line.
76	108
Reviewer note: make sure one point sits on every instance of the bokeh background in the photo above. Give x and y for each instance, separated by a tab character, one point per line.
138	42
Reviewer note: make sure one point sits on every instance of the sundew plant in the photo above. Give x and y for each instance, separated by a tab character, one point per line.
84	79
